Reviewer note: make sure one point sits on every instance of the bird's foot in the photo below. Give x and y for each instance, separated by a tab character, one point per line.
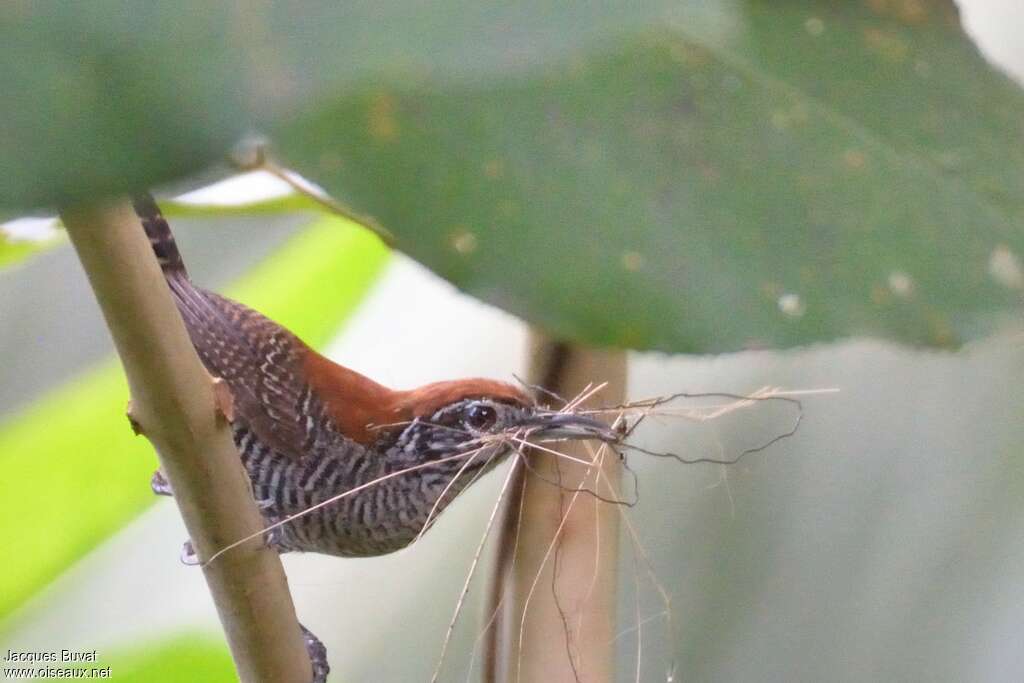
188	554
160	485
274	539
317	655
273	536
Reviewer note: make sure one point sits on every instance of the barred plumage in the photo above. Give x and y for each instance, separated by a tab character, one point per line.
308	430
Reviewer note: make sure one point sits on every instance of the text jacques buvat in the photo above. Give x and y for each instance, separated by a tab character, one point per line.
51	657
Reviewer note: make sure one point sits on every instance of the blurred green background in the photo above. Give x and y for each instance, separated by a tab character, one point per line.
693	177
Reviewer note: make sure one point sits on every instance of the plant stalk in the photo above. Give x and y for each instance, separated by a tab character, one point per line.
177	406
557	595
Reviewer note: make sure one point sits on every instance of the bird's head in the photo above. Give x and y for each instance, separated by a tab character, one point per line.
482	420
429	443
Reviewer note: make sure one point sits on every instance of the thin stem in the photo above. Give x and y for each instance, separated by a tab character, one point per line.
175	404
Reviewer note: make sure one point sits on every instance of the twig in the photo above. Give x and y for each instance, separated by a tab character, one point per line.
174	403
260	161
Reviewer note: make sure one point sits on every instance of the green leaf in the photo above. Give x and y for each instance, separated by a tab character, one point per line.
690	176
100	99
75	441
739	176
12	251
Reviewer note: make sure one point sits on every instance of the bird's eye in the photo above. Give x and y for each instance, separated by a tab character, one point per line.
479	416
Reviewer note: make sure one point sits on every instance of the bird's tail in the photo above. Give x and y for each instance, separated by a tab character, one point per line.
160	236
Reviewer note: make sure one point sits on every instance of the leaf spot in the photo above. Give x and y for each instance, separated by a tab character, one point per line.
791	305
913	11
854	159
463	241
632	261
886	44
382	123
1005	268
494	169
901	284
880	295
814	26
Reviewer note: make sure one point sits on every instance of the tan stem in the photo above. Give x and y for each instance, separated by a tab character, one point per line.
175	404
568	544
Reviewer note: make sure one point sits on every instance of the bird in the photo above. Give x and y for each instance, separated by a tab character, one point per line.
308	429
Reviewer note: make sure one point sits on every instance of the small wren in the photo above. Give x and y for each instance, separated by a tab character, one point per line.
308	429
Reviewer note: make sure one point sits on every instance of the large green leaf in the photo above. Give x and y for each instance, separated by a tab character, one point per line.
698	176
105	95
770	175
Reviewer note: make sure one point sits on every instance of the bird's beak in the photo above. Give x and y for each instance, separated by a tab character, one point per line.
554	425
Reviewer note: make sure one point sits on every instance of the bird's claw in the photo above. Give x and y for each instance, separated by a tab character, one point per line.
272	538
188	554
160	485
317	655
